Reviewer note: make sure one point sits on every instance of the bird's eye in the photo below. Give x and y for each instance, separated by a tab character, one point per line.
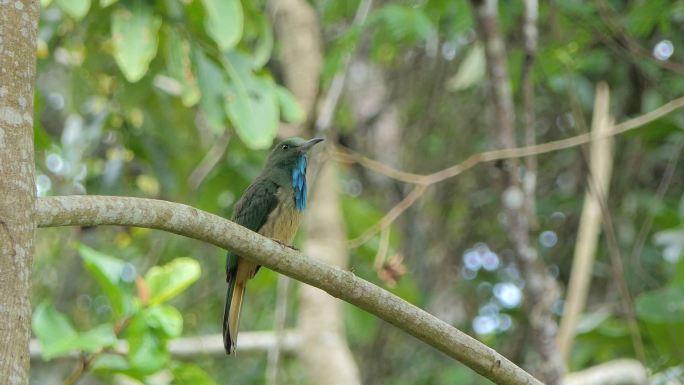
285	147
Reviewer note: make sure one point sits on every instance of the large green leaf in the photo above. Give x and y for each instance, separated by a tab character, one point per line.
57	337
251	103
662	306
107	271
135	33
211	81
165	282
223	22
179	65
191	374
74	8
166	319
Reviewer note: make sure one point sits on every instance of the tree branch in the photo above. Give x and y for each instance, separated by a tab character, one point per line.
191	222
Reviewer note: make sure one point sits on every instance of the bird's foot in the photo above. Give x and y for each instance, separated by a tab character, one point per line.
286	245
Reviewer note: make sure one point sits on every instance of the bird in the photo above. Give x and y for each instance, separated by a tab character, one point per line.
271	206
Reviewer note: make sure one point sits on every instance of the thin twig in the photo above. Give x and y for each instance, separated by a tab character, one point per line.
619	274
391	215
209	161
530	37
347	155
646	226
327	112
425	180
634	47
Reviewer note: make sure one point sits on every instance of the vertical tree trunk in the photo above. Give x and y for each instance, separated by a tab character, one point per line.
540	287
324	352
18	26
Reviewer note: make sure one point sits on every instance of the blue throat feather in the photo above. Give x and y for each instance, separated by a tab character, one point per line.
299	182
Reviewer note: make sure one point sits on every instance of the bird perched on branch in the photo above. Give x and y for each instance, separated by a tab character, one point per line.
271	206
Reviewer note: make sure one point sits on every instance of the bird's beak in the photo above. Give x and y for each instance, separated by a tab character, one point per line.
310	143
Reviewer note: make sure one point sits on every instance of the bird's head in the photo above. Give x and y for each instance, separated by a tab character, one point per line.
289	153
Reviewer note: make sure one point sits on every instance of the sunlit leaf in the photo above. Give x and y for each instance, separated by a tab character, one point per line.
107	271
290	109
165	282
179	65
74	8
135	35
211	83
165	318
251	103
191	374
470	72
57	337
107	3
224	22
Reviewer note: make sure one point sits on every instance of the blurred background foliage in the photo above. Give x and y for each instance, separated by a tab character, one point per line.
180	100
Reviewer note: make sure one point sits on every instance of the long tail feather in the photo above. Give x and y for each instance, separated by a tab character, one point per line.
231	309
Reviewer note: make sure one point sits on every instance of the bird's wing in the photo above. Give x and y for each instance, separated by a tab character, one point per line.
251	211
253	208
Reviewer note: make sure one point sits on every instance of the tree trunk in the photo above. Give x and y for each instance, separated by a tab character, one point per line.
324	348
325	352
18	27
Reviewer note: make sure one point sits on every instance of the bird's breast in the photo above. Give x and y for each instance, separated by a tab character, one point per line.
283	222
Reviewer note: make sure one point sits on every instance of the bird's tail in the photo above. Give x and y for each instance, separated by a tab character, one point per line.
231	311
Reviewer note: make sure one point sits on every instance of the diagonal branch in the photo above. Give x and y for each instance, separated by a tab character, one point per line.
191	222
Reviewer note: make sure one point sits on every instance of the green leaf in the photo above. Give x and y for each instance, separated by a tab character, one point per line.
146	352
135	34
470	72
223	22
251	103
191	374
107	3
57	337
165	282
264	46
45	3
662	306
74	8
165	318
179	65
290	110
107	271
212	82
404	23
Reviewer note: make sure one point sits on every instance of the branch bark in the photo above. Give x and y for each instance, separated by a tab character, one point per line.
188	221
18	28
540	287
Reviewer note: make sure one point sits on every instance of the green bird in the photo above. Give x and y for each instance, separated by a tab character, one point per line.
271	206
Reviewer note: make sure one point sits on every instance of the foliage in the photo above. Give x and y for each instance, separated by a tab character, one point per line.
134	94
145	325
